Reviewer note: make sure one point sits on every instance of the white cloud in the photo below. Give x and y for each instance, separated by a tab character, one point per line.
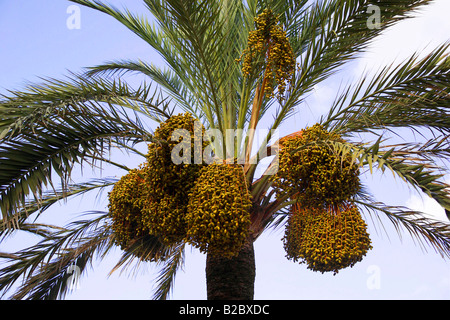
427	205
429	28
439	289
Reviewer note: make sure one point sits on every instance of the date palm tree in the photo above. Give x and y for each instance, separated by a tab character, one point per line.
215	71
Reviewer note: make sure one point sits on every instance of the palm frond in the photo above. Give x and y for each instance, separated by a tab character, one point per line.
166	278
332	33
38	103
415	94
425	231
416	171
213	35
31	157
39	229
56	125
167	79
195	39
45	266
148	248
47	200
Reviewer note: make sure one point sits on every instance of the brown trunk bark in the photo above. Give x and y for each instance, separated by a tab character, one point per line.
231	279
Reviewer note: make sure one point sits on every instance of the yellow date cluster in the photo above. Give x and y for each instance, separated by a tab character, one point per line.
218	215
326	241
152	200
206	205
169	183
269	54
126	201
313	171
324	229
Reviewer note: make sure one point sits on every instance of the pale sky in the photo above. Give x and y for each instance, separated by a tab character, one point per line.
35	41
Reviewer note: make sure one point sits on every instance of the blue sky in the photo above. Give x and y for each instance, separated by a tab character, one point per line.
36	42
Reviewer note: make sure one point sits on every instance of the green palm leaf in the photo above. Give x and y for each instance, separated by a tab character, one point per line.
40	102
55	149
45	266
52	128
427	232
413	168
50	197
331	33
166	278
167	79
414	94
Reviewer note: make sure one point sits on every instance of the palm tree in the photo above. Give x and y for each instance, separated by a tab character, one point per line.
216	72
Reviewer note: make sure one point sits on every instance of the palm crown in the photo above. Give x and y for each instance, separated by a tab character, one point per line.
228	64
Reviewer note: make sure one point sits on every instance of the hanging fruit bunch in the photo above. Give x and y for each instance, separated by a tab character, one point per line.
126	201
269	54
310	168
218	215
326	241
152	200
169	183
206	205
324	229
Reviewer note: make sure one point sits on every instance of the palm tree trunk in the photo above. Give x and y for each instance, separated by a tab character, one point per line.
232	279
